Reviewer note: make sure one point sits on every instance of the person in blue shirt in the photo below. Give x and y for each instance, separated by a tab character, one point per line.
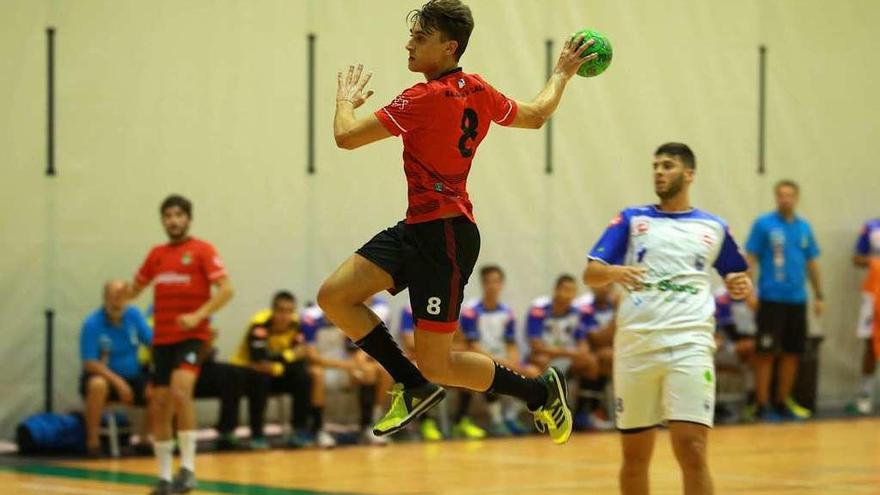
867	247
783	249
109	342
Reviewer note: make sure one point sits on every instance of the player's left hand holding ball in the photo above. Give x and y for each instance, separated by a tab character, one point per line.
739	285
570	59
352	88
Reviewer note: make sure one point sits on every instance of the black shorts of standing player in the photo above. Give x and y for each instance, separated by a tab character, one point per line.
782	327
167	358
434	260
138	384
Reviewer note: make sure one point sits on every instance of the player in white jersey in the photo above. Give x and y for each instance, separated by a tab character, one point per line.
557	331
489	326
867	247
663	349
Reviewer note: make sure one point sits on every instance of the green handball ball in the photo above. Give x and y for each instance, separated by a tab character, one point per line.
601	46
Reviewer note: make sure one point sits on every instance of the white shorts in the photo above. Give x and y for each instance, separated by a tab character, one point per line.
865	327
675	384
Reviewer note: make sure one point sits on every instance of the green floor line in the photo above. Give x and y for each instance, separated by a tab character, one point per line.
142	479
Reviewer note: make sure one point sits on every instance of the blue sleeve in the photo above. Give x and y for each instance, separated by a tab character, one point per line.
407	324
863	243
310	327
588	321
469	325
611	247
580	334
88	341
145	333
535	323
730	259
510	329
755	242
812	250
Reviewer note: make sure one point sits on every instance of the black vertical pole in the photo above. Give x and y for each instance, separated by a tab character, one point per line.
310	116
50	101
50	334
762	107
548	133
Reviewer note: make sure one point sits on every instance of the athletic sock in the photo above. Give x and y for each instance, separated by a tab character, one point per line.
867	387
187	441
532	391
317	418
464	403
164	455
381	347
366	395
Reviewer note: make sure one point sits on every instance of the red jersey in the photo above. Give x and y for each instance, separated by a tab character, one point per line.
182	275
442	122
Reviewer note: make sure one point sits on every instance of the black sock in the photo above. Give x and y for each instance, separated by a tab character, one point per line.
464	403
381	347
366	399
531	390
317	418
589	394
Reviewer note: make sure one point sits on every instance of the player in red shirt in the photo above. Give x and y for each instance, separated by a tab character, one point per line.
433	251
182	272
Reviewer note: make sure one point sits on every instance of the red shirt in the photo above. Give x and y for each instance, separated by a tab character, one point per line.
182	275
442	122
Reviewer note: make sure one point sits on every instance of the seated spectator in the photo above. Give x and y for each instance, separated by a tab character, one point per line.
109	344
488	326
734	351
598	309
273	348
222	381
557	333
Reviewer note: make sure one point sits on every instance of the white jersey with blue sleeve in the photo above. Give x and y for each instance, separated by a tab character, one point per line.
493	328
563	330
676	304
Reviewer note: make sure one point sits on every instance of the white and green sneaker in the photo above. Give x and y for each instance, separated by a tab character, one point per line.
407	405
554	416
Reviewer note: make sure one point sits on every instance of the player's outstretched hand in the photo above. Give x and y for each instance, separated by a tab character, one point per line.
570	58
739	285
351	89
629	276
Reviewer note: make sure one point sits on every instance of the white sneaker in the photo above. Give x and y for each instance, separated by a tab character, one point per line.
864	405
372	439
325	440
600	423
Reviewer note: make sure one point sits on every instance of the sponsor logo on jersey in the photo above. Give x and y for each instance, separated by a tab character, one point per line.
641	228
399	103
172	278
187	259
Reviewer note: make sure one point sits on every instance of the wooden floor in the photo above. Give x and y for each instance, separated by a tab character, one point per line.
823	457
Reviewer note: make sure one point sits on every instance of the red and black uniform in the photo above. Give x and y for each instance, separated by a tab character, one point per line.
182	275
441	122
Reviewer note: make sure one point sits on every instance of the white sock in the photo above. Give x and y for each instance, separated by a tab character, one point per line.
187	441
867	385
165	456
495	411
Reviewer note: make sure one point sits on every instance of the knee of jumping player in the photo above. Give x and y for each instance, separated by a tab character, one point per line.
436	369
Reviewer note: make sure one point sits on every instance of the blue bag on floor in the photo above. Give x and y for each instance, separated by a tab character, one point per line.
51	433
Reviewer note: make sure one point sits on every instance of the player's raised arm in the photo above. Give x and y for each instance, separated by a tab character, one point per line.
533	114
349	131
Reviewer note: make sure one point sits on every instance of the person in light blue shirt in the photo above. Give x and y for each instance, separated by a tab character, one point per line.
783	249
109	342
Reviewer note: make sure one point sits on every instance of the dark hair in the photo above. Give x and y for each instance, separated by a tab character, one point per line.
564	278
282	295
787	183
451	17
680	150
487	270
179	201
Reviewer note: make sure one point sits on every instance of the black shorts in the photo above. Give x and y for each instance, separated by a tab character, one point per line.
781	327
137	383
434	260
167	358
